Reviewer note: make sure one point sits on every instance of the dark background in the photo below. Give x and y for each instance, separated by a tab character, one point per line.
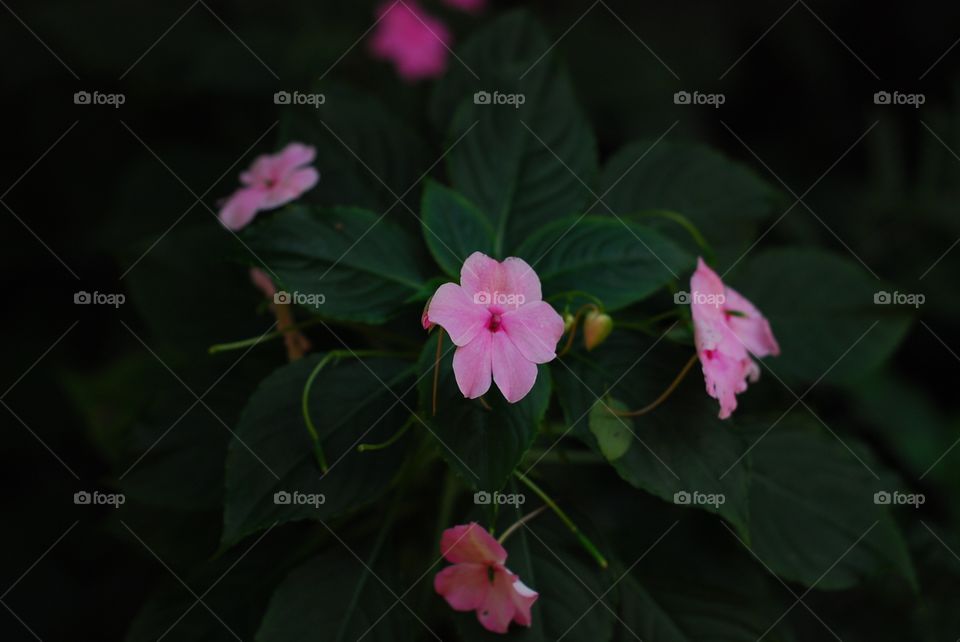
79	187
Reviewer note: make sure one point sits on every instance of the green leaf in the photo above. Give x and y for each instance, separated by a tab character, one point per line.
547	559
811	502
334	597
483	446
723	199
453	227
350	263
613	435
525	165
350	403
680	446
619	263
820	306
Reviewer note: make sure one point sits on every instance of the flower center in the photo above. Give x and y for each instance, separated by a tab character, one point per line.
494	324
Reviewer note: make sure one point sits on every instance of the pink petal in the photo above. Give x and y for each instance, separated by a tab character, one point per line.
263	282
534	329
497	610
453	310
520	278
753	329
480	274
294	155
472	365
523	598
513	279
241	207
291	187
471	543
463	586
513	373
413	40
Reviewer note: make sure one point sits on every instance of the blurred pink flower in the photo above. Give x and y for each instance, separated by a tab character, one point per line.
479	581
272	180
728	329
414	41
470	6
500	324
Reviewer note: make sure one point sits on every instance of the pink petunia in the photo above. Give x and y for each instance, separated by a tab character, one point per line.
470	6
479	581
501	326
272	181
728	329
414	41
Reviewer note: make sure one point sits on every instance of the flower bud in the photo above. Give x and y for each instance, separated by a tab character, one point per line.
596	328
424	319
568	320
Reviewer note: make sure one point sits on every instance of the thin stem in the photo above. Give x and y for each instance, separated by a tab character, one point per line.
583	539
570	294
573	327
392	440
663	396
520	522
237	345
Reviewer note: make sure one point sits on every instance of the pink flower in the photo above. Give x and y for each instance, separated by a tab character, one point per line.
478	580
499	323
728	329
470	6
416	42
271	181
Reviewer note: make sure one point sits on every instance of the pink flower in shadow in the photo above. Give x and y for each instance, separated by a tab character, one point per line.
414	41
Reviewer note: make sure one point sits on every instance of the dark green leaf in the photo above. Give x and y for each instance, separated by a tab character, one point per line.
453	228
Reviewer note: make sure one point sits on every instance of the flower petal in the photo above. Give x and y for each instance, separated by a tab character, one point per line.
452	309
497	610
241	207
480	274
292	156
471	543
752	329
523	598
291	187
519	278
463	586
535	329
472	365
513	282
514	373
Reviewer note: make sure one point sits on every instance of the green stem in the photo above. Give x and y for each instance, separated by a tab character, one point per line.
583	539
571	294
332	356
520	522
686	224
392	440
237	345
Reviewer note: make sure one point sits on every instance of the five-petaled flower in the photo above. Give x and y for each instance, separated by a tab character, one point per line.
272	180
728	329
414	41
501	326
479	581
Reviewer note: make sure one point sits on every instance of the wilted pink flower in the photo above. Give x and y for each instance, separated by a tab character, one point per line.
271	181
479	581
470	6
728	329
500	324
414	41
